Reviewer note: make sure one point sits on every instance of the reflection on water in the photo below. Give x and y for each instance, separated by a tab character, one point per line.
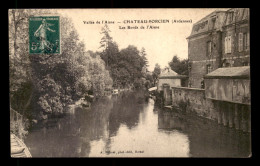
133	131
130	126
207	139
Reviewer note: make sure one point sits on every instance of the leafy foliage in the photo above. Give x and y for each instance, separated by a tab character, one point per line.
179	66
143	55
45	84
20	73
156	72
126	65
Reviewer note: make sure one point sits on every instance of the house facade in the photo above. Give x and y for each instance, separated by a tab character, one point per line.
221	39
235	38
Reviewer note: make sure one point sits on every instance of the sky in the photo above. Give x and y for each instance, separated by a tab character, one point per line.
160	44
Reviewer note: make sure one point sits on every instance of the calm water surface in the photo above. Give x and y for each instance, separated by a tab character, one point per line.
131	126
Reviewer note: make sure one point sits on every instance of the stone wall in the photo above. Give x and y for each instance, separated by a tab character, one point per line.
230	90
171	82
193	100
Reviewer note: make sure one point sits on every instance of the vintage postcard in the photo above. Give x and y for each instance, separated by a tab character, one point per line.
130	82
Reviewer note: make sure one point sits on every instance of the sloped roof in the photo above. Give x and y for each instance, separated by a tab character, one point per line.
168	73
219	19
207	24
230	72
239	14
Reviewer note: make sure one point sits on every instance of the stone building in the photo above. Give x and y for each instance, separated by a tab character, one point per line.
219	55
221	39
235	38
170	78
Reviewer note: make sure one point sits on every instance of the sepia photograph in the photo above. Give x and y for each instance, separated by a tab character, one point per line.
130	83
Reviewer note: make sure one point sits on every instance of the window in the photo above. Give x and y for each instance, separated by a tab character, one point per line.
246	41
213	22
231	15
228	44
208	48
240	42
243	41
209	69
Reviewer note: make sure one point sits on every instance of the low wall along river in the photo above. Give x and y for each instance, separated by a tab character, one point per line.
230	114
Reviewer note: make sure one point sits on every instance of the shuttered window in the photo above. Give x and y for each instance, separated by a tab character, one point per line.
226	41
246	41
240	42
229	44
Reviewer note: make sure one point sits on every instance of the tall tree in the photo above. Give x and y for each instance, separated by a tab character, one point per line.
133	63
106	39
156	72
110	48
143	55
179	66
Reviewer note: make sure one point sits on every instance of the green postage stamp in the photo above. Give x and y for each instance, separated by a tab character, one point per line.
44	35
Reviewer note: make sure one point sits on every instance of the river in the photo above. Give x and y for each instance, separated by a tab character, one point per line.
132	126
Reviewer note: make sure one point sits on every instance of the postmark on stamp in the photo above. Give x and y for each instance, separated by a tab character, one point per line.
44	35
